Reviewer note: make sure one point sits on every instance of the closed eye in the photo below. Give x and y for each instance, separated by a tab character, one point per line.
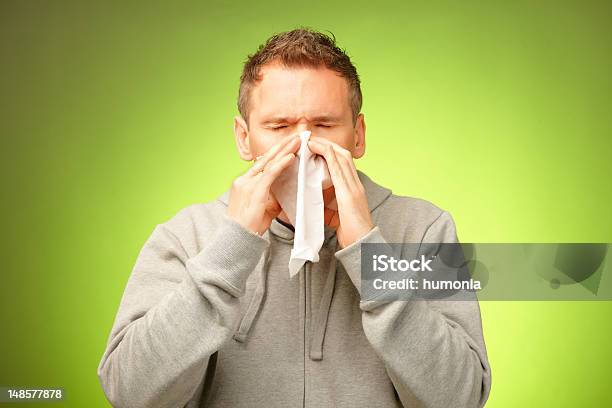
322	125
278	127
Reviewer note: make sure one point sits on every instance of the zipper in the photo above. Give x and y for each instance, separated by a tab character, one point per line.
306	274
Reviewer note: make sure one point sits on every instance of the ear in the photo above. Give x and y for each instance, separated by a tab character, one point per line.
359	142
241	133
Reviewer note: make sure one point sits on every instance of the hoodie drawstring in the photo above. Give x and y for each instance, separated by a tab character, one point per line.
320	322
249	316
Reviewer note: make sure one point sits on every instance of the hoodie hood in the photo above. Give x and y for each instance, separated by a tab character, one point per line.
376	195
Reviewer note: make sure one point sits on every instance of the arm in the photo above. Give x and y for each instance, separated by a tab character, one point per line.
174	314
434	351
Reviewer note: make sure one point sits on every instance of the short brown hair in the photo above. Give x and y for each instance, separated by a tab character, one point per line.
302	47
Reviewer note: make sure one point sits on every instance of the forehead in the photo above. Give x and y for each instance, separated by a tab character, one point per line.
299	91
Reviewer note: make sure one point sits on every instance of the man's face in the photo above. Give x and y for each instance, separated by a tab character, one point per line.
289	100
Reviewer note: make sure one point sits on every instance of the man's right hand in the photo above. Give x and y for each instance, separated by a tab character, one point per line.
250	203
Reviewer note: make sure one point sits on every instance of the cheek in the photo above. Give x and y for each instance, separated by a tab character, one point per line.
261	142
342	137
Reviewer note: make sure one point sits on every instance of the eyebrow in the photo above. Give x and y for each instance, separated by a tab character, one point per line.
285	119
326	118
276	119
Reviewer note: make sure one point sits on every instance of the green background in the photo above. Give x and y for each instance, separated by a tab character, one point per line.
115	116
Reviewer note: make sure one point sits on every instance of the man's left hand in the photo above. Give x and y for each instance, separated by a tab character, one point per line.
352	220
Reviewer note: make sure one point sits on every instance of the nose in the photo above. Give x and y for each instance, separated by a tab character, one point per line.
303	125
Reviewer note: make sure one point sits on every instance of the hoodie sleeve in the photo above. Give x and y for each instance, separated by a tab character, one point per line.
433	351
175	313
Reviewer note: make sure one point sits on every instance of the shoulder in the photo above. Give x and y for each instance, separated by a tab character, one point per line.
194	224
414	219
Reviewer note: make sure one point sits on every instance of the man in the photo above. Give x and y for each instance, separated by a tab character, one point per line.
210	316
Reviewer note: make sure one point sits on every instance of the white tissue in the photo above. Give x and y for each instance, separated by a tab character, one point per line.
299	191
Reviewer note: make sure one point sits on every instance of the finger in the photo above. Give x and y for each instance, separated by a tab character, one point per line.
333	165
339	149
316	147
272	153
274	170
324	141
261	190
290	148
285	142
347	166
345	157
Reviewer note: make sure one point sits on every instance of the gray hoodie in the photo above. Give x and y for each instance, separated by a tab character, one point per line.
210	318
